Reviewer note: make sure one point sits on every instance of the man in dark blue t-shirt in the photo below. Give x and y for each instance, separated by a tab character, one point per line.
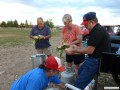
98	42
42	44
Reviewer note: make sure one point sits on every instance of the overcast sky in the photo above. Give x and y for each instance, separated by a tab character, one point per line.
108	11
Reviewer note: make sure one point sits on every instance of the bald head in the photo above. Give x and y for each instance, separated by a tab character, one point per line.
40	22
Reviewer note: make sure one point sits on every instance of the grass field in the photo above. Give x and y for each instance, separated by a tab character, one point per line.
12	37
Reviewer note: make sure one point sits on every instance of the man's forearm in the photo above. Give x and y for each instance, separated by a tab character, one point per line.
31	36
47	37
62	85
76	42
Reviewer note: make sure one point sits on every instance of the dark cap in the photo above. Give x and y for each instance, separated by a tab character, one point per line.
88	16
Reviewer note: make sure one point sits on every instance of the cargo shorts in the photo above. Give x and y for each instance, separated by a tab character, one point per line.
46	51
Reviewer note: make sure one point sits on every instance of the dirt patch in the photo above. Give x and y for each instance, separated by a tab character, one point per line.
15	61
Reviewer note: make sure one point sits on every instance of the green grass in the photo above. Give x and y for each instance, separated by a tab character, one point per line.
13	37
56	33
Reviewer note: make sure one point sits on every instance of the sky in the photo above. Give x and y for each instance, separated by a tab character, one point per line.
107	11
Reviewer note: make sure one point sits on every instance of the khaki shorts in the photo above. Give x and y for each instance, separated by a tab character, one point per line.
46	51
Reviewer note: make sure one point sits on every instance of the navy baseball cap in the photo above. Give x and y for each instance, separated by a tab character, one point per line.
88	16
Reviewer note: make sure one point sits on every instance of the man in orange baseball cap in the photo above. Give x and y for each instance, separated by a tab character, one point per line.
39	78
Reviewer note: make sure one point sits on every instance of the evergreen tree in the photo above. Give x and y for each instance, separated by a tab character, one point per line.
3	24
26	23
15	23
10	23
49	23
22	25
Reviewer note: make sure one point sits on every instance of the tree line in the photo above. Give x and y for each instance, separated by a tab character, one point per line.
24	25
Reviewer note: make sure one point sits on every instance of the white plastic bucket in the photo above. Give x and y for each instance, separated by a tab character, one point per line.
38	59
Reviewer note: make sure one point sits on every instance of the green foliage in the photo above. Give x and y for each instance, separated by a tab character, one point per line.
22	25
61	49
15	24
49	23
10	23
26	24
3	24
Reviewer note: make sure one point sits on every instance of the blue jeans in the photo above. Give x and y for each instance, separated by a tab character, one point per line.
87	72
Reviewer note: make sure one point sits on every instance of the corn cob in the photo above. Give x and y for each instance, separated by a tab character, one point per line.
61	48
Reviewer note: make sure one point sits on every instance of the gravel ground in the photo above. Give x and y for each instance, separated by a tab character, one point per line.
15	61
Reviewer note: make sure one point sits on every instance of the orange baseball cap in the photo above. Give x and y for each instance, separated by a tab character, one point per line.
54	63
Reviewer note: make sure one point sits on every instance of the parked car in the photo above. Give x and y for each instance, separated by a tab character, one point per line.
110	62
